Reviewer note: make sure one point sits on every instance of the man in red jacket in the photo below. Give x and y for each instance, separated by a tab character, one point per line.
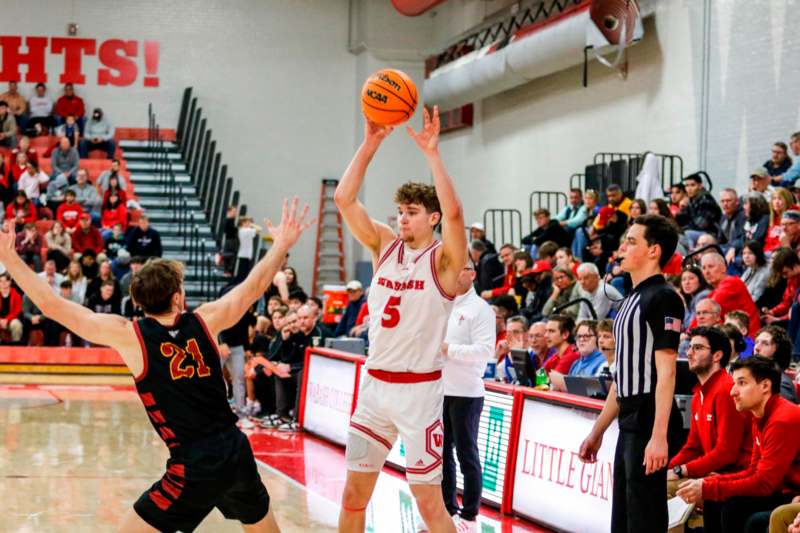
87	236
773	475
70	104
10	309
719	436
69	212
729	292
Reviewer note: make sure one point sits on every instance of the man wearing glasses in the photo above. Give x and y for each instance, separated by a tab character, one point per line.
790	223
719	436
590	358
779	162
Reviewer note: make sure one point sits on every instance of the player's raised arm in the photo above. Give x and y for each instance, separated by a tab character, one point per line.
225	312
98	328
371	233
454	240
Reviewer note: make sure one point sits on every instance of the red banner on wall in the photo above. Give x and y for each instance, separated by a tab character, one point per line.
118	58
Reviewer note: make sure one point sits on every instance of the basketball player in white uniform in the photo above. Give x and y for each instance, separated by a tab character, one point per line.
415	278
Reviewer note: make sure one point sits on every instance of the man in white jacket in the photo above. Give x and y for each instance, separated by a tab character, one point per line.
467	347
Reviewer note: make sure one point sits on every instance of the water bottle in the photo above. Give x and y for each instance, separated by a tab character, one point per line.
541	378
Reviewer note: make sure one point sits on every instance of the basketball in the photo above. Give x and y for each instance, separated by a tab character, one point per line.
389	97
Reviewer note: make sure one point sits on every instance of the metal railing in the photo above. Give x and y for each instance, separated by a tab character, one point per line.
503	226
576	181
209	174
553	201
690	257
200	257
577	301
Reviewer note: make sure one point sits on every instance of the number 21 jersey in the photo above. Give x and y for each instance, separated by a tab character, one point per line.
181	386
408	311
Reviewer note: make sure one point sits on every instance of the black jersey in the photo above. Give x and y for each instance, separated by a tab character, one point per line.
181	384
649	319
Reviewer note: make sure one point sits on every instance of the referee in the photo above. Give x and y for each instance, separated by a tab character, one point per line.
647	332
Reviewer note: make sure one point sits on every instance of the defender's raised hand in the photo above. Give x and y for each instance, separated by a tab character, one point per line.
291	226
428	137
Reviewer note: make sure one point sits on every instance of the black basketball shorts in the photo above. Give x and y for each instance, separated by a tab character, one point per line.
218	471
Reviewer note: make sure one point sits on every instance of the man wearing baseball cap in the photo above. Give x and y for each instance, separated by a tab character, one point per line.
355	293
477	232
87	236
538	281
760	183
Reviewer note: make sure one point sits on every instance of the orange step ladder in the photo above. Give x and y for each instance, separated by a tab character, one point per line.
329	255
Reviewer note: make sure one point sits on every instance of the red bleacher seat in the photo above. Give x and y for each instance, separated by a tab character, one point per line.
36	338
98	154
140	134
43	141
44	144
43	226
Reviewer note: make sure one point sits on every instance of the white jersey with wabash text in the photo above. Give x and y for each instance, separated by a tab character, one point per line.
408	311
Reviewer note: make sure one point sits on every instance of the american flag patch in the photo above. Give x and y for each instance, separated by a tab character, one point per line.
672	324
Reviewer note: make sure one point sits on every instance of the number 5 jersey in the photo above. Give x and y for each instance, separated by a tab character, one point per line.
408	310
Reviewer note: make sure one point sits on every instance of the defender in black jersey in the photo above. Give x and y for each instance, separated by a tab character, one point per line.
173	357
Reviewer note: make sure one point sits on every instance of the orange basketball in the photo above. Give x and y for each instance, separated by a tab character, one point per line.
389	97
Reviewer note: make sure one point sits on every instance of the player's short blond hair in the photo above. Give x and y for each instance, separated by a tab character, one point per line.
413	192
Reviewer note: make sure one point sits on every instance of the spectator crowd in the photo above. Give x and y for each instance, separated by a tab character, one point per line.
70	209
737	270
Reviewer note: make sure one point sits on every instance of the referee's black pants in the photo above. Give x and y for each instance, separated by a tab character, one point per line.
640	501
462	417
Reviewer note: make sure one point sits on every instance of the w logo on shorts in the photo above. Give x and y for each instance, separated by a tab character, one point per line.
434	438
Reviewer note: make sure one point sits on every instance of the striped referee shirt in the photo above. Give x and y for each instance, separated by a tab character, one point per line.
649	319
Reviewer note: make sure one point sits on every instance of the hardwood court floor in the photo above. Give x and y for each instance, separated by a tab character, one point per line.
74	459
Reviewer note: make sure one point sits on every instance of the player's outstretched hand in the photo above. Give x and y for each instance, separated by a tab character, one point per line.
428	137
291	226
374	134
8	240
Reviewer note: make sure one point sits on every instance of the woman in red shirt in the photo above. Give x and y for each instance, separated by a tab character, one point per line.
21	211
114	212
113	186
782	201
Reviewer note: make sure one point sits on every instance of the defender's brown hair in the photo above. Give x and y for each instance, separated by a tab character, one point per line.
413	192
153	286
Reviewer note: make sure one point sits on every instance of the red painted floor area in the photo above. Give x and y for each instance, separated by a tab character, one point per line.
321	467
